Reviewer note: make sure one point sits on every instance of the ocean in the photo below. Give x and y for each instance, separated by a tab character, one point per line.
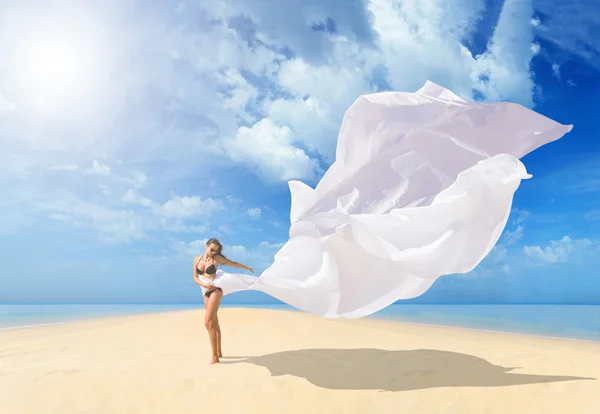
557	321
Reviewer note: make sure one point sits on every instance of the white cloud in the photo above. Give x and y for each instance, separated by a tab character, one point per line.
254	213
201	57
320	94
272	245
408	33
98	168
519	215
132	197
177	207
112	224
592	215
511	237
290	24
137	179
238	249
238	81
188	249
122	224
556	70
240	94
186	206
268	148
559	251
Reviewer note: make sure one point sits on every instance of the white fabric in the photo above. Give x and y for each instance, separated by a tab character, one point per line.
207	281
421	187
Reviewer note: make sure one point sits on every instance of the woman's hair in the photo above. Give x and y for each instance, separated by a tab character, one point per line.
219	247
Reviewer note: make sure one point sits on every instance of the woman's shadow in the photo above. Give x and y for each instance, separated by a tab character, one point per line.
377	369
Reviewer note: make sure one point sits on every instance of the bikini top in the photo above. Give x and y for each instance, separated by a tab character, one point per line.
210	270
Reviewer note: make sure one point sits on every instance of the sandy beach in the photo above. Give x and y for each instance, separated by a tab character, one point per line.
290	362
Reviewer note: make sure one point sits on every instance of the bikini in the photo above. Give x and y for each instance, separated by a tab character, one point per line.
210	270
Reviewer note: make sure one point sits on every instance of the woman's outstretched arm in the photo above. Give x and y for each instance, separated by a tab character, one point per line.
226	262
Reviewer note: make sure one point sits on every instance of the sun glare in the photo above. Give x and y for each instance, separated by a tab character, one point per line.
58	63
54	65
60	67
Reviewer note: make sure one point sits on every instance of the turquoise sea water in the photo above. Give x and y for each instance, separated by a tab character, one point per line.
30	316
27	316
563	321
558	321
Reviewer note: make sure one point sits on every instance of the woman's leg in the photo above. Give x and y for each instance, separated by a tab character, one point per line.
210	320
206	314
218	329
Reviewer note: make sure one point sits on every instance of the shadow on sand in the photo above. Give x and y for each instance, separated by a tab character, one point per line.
377	369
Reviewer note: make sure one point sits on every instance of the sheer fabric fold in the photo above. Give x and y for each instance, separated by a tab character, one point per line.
421	187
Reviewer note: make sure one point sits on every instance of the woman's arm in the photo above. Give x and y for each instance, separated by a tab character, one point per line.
197	279
226	262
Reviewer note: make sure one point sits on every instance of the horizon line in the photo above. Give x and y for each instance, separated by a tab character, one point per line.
285	304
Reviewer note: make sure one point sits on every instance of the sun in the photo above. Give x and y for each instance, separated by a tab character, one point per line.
59	66
53	66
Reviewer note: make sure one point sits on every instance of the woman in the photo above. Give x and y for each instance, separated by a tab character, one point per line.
205	272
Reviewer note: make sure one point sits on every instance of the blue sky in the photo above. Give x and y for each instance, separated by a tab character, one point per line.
133	131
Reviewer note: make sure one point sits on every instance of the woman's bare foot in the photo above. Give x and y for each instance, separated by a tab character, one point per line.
214	361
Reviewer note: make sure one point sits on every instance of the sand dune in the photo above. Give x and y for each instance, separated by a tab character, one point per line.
290	362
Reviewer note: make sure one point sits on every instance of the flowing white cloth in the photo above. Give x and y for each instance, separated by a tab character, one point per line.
421	187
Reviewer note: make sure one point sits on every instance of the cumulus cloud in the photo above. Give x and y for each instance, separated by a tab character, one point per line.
125	224
98	168
254	213
136	179
186	206
177	206
188	249
242	83
268	149
559	251
238	249
243	74
115	225
132	197
272	245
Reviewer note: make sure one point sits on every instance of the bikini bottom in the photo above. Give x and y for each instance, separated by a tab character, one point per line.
210	292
